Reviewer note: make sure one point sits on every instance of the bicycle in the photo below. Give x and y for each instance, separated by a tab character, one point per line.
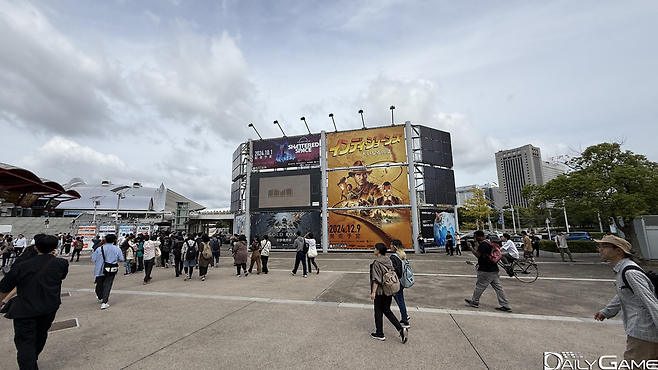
523	270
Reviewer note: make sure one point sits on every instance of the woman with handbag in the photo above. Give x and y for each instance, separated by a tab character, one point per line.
205	256
312	252
255	255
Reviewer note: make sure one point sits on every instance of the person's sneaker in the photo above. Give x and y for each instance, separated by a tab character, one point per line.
203	278
305	276
470	262
405	324
99	300
293	274
404	335
246	274
104	306
144	283
504	309
318	272
238	275
471	303
377	336
186	278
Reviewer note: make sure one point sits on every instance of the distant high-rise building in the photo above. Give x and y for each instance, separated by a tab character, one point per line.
491	193
552	170
517	168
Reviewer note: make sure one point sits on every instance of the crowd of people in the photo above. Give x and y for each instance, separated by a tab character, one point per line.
635	296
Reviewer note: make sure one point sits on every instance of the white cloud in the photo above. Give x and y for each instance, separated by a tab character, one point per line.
49	85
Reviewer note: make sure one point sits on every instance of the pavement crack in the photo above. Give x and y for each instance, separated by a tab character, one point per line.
186	336
469	342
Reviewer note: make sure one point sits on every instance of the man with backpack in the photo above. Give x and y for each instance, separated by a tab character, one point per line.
384	284
488	255
635	298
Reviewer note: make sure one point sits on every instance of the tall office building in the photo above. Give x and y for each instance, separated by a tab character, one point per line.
491	193
552	170
517	168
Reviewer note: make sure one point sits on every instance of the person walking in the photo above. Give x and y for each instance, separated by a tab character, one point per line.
139	252
177	250
562	246
265	246
312	252
449	245
458	241
149	257
129	255
254	248
107	254
300	256
165	250
487	273
39	283
205	256
636	299
396	259
382	302
421	243
216	245
77	248
240	254
189	253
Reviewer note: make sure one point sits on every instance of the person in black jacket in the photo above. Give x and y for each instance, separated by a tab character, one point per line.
177	251
487	273
36	306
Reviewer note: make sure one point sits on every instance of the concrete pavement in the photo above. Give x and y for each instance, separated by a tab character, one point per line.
324	321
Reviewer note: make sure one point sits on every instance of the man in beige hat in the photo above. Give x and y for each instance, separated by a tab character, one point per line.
635	298
364	188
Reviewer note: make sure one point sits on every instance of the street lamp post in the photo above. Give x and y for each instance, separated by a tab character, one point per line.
120	191
97	202
565	218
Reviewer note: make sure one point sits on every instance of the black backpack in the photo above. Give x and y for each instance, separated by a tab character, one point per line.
653	277
191	250
305	249
166	245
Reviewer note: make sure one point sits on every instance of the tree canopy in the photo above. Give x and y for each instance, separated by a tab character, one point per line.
618	184
477	206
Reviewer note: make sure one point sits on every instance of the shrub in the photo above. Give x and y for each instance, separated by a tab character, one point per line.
575	246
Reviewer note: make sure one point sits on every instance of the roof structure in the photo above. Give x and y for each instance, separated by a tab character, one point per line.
22	188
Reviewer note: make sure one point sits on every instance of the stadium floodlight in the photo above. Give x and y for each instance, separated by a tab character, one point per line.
254	127
362	120
392	120
277	123
304	119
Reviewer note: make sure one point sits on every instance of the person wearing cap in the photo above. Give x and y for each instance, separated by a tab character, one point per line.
635	298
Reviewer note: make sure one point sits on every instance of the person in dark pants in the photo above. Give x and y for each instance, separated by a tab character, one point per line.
382	302
37	305
265	246
149	257
298	244
77	248
177	251
450	250
105	279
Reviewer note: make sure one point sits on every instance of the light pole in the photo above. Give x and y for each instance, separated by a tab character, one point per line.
548	226
513	220
307	129
120	191
362	120
254	127
277	123
565	218
392	120
97	202
331	115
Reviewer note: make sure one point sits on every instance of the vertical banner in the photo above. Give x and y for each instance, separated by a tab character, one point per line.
87	233
281	227
366	147
238	224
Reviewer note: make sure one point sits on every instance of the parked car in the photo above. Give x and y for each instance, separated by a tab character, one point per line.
580	235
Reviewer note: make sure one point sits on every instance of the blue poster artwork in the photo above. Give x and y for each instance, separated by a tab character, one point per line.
443	222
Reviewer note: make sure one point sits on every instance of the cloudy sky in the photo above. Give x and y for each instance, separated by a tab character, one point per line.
157	91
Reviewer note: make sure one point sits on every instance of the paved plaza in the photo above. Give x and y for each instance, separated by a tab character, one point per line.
277	321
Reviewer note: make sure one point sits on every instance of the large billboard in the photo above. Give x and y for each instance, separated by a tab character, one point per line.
361	187
302	151
366	147
284	191
362	228
281	228
435	224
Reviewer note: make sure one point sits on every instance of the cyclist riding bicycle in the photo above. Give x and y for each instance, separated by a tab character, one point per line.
510	253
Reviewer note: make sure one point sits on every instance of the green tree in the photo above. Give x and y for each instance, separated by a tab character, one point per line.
619	184
477	207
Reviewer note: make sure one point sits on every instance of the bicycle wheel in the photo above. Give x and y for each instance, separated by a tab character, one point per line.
525	271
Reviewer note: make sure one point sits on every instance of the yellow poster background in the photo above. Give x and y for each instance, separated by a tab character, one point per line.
372	146
361	229
344	189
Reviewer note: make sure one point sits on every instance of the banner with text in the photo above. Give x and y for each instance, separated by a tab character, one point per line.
287	152
366	147
281	227
361	229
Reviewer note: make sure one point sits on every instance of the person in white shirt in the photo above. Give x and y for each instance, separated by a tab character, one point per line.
19	244
312	252
149	257
510	253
